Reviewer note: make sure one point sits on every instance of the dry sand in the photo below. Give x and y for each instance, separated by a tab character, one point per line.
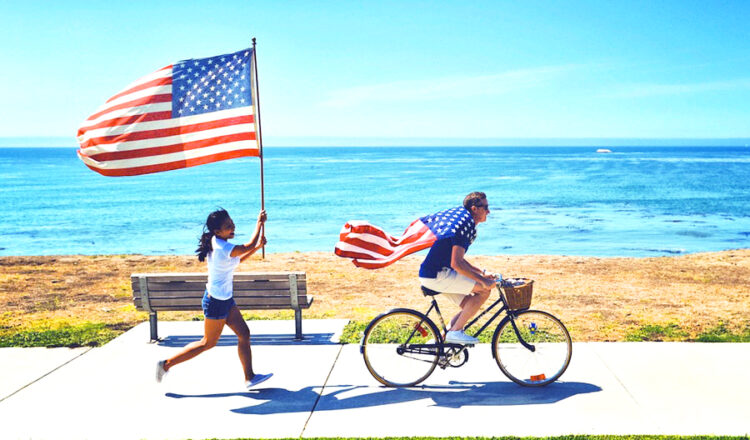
599	299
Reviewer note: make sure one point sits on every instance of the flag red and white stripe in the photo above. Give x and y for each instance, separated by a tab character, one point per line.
371	247
136	131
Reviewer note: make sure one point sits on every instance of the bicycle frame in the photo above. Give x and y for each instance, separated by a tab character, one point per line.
509	315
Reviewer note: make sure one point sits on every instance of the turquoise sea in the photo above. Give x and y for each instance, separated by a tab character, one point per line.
635	201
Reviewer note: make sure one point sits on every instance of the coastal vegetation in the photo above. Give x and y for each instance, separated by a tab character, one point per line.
54	301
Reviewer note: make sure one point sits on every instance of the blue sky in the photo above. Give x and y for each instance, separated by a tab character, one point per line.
400	69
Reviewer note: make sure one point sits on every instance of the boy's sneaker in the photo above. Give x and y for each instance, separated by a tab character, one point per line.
258	378
459	337
160	371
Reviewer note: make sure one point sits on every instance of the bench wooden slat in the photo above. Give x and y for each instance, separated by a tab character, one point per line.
193	304
201	286
253	284
238	276
199	289
198	294
258	307
163	302
270	296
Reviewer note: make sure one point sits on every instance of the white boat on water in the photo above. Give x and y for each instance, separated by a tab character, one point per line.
603	150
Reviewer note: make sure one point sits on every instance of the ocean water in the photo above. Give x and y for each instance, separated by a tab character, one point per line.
635	201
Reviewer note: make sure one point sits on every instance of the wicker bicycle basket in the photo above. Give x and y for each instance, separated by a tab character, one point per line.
518	292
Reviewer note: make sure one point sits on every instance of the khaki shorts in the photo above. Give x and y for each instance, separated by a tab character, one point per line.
451	284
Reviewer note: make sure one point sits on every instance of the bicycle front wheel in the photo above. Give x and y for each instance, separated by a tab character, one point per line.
547	352
400	348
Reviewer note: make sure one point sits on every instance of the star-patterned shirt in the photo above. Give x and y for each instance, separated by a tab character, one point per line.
452	227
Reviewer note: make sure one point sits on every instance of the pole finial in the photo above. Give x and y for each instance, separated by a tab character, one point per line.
253	41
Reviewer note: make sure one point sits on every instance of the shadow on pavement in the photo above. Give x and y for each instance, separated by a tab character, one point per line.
459	394
266	339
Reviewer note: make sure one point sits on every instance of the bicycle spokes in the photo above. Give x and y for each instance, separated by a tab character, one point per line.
400	348
543	353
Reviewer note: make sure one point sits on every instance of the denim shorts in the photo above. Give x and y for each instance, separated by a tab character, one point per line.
216	308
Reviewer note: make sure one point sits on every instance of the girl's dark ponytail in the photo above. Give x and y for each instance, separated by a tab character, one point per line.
204	245
213	222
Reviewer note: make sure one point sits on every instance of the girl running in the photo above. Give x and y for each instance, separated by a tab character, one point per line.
219	307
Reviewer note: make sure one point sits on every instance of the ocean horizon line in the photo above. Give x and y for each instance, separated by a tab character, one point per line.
458	142
419	254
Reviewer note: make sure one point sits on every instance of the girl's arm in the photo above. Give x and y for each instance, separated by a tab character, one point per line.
250	247
247	254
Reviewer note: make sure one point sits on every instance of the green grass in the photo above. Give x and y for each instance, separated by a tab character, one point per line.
85	334
673	332
720	333
353	331
656	332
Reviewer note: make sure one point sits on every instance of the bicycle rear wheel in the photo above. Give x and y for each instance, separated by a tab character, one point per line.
400	348
550	351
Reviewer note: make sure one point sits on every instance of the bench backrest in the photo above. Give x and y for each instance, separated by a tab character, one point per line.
183	291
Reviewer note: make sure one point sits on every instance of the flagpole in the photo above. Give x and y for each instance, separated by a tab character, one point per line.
260	144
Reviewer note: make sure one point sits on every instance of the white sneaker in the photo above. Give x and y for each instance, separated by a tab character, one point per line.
258	378
160	371
459	337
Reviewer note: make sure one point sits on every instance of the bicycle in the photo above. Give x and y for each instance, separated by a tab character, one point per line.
402	347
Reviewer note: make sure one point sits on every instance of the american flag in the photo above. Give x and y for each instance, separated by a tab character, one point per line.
371	247
190	113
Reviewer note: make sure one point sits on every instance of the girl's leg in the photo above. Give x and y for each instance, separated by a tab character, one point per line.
237	323
211	332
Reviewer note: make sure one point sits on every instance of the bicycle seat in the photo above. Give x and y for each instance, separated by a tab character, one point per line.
429	292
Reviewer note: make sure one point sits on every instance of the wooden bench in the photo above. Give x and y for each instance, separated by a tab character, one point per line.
155	292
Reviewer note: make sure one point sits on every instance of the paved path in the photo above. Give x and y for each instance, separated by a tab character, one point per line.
321	388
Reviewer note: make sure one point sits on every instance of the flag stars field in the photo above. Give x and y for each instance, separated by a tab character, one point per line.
188	118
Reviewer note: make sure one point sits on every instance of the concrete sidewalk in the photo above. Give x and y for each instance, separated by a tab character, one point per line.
321	388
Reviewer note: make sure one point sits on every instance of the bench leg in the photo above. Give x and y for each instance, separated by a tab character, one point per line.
298	324
152	323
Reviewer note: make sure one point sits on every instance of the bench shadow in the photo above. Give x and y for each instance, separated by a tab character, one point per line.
456	395
264	339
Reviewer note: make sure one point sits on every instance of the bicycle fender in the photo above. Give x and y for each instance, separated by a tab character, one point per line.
507	317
